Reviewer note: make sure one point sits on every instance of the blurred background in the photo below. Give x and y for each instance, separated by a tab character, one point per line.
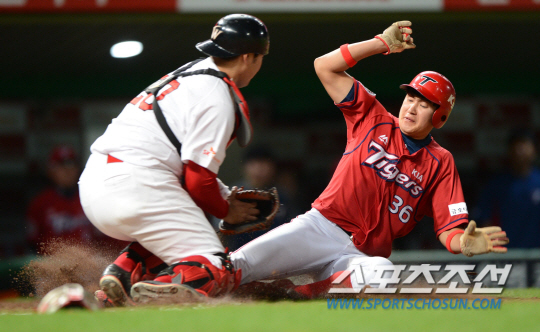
61	88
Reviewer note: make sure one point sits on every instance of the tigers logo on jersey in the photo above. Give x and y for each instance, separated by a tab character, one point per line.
384	164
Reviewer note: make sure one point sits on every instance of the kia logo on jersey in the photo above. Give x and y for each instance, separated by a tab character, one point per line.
384	164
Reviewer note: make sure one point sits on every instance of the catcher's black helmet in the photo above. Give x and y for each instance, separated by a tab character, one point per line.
236	34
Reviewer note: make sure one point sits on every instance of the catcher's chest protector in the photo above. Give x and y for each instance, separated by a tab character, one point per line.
243	129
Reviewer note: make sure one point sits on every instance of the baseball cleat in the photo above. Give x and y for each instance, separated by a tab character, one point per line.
145	291
114	283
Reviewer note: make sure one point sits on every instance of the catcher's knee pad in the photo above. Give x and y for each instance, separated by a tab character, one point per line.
199	273
147	265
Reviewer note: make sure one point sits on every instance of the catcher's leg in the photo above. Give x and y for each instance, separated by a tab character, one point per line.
192	278
135	263
150	207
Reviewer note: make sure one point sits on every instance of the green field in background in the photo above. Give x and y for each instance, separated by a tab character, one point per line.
520	312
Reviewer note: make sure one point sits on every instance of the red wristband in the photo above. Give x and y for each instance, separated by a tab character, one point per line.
449	240
347	55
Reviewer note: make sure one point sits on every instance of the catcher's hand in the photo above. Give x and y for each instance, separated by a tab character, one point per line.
267	203
397	37
476	241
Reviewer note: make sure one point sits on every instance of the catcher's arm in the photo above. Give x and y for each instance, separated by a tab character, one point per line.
475	240
224	190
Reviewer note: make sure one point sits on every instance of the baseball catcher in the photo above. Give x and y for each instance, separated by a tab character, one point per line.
152	176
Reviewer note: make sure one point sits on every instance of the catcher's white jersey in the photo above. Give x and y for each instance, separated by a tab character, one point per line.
130	188
200	111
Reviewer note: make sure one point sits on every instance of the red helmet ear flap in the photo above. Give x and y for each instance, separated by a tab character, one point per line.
440	116
437	89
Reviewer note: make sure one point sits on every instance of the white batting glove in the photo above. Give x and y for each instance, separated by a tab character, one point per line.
224	190
477	241
397	37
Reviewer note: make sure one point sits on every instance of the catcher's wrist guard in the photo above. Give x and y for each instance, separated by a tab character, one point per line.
268	205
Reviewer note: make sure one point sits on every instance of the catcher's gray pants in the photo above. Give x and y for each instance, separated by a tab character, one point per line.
309	244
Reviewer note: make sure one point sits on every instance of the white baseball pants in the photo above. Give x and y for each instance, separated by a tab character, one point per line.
309	244
146	205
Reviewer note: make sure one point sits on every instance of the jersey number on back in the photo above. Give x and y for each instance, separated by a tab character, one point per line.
146	100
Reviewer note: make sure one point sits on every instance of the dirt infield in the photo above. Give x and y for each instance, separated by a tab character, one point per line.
68	262
63	262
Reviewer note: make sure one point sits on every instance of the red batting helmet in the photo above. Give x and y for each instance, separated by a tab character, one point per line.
437	89
63	154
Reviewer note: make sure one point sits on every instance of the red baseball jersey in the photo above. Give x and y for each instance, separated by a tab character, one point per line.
380	190
55	216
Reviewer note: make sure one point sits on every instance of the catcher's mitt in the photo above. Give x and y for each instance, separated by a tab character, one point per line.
268	205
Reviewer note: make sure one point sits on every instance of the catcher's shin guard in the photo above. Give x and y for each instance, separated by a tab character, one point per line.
129	268
191	278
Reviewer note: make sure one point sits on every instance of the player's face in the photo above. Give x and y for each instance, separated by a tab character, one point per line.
64	175
522	154
415	116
